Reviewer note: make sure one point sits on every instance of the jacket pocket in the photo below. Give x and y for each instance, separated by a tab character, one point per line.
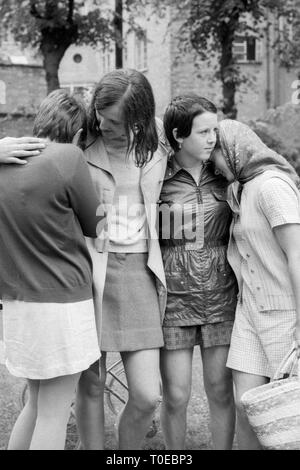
176	282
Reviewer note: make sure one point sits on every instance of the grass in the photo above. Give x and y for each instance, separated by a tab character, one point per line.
198	436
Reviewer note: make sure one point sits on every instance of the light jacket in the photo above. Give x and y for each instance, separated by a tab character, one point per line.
259	261
151	182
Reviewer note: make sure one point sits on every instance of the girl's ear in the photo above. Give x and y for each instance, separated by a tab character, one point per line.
76	137
178	139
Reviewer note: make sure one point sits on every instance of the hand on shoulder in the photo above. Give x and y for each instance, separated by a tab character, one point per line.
14	149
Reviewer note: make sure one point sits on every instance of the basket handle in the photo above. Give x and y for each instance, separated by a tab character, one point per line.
288	363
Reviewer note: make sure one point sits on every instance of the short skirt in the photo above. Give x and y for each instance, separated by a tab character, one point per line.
131	318
47	340
207	336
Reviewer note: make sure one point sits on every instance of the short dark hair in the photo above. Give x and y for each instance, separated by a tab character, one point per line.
59	117
133	91
180	114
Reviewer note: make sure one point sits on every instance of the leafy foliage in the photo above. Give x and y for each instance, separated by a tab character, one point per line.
28	20
209	27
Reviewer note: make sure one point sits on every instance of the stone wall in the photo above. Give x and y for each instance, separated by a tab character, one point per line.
16	127
23	90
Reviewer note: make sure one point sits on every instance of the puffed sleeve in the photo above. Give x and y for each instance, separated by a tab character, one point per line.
279	202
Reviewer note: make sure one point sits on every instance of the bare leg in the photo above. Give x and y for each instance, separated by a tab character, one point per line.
176	372
53	412
243	382
219	390
21	435
142	373
90	406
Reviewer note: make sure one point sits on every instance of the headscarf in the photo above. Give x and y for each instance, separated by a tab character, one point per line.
247	157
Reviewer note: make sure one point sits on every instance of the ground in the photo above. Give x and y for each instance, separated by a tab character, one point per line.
198	436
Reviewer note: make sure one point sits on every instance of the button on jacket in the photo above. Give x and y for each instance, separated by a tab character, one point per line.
201	285
268	200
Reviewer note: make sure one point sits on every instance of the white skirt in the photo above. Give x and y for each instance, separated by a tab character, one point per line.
47	340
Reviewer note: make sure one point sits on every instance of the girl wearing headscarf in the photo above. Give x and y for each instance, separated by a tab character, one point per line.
264	252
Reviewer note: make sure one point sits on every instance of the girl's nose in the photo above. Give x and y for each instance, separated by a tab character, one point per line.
102	124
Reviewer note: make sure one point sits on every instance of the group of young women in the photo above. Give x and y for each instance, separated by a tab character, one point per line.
192	238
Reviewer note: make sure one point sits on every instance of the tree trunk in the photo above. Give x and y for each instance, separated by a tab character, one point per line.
118	22
229	91
52	56
228	72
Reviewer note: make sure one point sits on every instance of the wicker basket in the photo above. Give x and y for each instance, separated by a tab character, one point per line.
273	409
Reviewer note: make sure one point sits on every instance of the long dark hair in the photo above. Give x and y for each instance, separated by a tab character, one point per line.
180	114
133	91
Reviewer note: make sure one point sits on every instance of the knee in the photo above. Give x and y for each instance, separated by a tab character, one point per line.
145	401
91	385
176	398
220	392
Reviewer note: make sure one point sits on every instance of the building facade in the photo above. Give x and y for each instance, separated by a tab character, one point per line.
155	53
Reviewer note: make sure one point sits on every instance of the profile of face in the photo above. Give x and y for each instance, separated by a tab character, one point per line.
221	165
111	123
202	139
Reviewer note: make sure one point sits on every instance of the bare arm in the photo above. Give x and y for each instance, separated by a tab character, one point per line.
14	149
288	237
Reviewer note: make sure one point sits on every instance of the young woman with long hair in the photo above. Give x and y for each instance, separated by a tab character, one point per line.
127	160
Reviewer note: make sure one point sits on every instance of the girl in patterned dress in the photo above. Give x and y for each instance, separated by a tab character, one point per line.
264	252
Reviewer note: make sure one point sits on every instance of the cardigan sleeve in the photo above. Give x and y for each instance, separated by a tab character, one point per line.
83	197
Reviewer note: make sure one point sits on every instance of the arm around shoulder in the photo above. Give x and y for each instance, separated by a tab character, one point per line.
13	149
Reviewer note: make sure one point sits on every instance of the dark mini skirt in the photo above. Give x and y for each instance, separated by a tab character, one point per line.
131	316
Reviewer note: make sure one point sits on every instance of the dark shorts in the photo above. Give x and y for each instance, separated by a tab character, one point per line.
207	336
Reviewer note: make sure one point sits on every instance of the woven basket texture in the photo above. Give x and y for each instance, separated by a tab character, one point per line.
273	411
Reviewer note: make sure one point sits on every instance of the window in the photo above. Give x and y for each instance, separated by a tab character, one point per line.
246	49
286	27
106	60
77	58
141	60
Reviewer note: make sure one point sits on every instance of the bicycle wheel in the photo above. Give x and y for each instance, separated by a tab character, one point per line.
116	389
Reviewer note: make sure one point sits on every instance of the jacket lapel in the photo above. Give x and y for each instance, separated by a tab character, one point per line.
97	156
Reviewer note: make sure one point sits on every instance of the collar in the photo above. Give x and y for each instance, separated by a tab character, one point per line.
97	156
173	167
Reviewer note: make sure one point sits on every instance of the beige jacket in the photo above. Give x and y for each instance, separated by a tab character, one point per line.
151	183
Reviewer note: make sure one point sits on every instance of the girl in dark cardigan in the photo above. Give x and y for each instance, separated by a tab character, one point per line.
46	208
